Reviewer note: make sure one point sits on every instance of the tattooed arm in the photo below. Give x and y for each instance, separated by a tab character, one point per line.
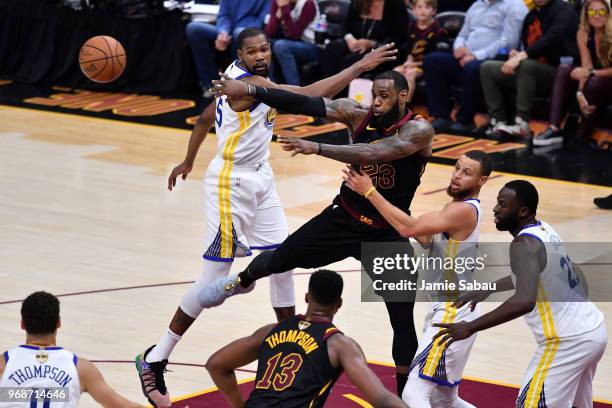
414	136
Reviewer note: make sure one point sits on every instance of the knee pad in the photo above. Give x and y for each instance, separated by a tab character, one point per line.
211	271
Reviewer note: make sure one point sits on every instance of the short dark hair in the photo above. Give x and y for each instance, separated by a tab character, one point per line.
248	33
325	287
40	313
486	163
399	81
526	194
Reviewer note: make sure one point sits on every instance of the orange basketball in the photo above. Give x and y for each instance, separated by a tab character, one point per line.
102	59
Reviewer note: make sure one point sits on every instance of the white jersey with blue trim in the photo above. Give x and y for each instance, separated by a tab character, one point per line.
42	368
243	137
562	309
445	248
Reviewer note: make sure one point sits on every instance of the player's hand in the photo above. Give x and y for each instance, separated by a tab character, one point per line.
233	88
182	170
471	298
297	146
453	332
377	56
359	183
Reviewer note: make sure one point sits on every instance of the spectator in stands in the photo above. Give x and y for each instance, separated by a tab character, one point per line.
549	32
424	35
489	25
292	30
234	16
593	79
369	24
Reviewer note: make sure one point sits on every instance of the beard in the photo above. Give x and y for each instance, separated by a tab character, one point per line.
254	71
506	224
386	120
460	195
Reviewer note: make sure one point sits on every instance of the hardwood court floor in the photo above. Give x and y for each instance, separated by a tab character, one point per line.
84	207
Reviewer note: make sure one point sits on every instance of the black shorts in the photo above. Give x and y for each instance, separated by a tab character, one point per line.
331	236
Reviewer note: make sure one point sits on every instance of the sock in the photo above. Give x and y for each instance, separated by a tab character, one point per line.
164	347
401	379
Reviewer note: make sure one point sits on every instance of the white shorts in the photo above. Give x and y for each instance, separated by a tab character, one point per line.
560	375
435	362
242	210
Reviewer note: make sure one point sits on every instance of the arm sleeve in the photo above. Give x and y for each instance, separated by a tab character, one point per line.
295	29
291	102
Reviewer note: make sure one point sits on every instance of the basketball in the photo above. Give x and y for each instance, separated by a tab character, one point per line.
102	59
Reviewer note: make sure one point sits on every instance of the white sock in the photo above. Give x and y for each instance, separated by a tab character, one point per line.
164	347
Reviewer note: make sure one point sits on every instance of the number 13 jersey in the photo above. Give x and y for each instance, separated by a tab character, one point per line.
293	368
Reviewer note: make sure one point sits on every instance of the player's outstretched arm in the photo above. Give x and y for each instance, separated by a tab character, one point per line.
343	110
93	383
202	126
477	296
221	364
345	352
454	217
329	87
527	260
413	136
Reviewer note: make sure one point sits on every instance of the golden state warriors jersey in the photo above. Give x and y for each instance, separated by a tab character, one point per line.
452	260
44	368
562	309
243	137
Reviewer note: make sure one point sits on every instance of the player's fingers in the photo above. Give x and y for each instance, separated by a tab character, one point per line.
443	325
440	333
449	342
224	76
458	303
184	176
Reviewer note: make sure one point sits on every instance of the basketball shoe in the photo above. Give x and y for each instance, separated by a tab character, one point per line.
152	380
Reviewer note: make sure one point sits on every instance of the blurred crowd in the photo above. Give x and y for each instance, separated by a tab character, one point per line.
500	57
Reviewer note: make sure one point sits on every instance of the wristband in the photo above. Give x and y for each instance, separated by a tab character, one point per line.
369	192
